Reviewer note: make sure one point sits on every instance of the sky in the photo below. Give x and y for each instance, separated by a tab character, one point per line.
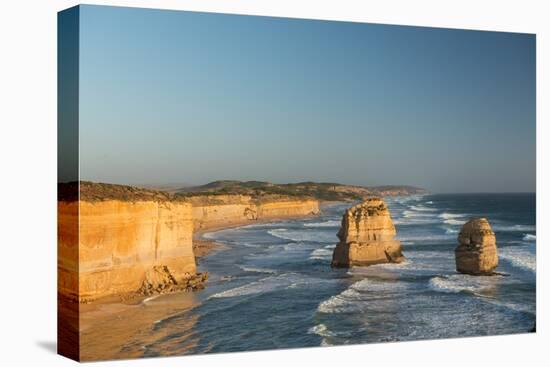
182	97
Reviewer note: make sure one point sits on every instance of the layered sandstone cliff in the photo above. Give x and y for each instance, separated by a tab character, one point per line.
367	236
229	210
476	253
116	239
117	243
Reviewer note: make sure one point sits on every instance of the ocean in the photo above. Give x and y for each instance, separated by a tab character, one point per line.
272	285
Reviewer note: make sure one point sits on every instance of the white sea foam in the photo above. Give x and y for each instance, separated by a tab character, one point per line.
257	270
453	219
210	235
354	299
422	208
292	246
328	223
248	244
321	330
415	214
454	222
416	263
513	228
519	257
529	237
451	231
264	225
270	284
343	302
264	285
517	307
320	254
149	299
451	215
461	282
415	238
302	235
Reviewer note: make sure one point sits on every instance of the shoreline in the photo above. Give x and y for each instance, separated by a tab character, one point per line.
116	327
199	233
111	329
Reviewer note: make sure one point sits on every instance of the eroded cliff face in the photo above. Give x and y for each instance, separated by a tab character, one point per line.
123	240
476	253
231	210
119	242
367	236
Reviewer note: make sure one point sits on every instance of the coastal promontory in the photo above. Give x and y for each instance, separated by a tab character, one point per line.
476	253
367	236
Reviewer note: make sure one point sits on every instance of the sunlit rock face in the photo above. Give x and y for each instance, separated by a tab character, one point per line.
118	242
476	253
367	236
227	210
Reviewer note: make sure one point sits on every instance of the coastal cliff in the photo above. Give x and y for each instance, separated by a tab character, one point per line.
120	242
367	236
228	210
476	253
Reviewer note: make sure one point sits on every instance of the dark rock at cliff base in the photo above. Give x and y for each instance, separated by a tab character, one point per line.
159	280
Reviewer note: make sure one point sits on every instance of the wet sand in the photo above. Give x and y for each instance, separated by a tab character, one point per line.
110	329
117	328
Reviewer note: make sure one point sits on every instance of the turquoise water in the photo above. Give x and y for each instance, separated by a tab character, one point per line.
273	287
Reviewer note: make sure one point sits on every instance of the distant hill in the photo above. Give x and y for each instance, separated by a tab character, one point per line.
228	191
318	190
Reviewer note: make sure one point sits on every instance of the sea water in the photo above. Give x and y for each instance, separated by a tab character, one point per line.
272	285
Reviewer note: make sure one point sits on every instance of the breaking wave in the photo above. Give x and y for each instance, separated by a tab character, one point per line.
529	237
453	219
422	208
257	270
354	298
321	330
269	284
415	214
302	235
321	254
513	228
329	223
461	283
519	257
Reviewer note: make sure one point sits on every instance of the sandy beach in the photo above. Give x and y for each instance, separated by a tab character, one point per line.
122	327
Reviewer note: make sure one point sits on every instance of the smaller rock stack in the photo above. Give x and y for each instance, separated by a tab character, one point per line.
367	236
476	253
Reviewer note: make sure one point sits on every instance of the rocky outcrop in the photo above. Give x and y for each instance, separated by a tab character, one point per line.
230	210
115	243
476	253
367	236
160	279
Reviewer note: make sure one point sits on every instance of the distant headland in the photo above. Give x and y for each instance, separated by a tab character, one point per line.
324	191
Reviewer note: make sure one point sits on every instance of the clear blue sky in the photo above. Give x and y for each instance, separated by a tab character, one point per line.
168	96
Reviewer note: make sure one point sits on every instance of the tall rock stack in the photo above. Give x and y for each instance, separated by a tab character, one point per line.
476	253
367	236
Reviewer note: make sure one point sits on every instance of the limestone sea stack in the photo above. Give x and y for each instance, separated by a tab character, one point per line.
476	253
367	236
